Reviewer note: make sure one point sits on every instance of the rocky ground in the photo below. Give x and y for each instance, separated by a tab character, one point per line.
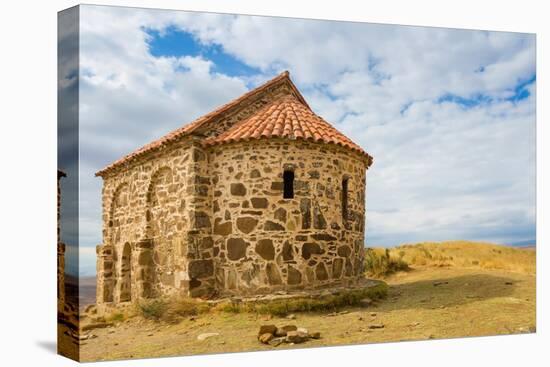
425	303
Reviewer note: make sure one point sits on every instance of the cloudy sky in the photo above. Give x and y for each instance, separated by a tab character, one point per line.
448	115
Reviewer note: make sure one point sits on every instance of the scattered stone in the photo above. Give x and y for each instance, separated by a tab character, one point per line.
282	331
205	336
291	317
274	336
373	314
376	326
414	324
267	329
315	335
265	338
296	337
275	342
436	284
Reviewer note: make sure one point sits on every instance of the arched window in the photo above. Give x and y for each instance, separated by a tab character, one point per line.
345	181
288	177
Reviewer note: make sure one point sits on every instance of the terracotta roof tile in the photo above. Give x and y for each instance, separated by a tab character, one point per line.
285	117
188	129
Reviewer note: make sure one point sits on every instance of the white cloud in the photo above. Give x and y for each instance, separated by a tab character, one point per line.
441	170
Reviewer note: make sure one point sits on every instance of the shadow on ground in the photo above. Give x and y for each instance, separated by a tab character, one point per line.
447	292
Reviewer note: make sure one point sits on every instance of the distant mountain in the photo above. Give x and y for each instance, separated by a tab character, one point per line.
86	289
526	243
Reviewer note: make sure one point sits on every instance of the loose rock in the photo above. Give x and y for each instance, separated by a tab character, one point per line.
265	338
315	335
267	329
275	342
296	337
205	336
376	326
282	331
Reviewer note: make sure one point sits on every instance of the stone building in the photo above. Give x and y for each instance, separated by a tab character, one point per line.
258	196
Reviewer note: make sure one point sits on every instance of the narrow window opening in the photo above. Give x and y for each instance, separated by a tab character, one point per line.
345	199
288	177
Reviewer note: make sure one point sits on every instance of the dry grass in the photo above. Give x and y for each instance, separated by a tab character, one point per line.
327	303
465	254
174	309
381	263
171	309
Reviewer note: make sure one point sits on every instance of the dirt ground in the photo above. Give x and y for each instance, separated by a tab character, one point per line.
425	303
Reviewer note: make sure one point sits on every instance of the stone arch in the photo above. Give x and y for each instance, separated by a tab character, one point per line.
160	229
125	276
118	211
157	198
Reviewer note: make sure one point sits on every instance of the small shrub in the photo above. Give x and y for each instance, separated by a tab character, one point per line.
180	307
152	309
117	317
380	264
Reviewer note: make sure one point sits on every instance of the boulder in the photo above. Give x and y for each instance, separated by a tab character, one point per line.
265	338
267	329
315	335
275	342
296	337
282	331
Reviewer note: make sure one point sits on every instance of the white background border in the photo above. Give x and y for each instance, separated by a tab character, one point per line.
28	181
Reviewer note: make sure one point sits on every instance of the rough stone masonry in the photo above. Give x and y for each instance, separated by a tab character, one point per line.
260	195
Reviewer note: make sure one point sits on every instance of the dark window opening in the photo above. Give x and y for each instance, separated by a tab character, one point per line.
288	177
345	199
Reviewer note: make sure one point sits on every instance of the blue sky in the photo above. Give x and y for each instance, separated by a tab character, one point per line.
449	115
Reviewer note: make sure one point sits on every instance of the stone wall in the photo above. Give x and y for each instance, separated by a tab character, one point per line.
263	242
150	216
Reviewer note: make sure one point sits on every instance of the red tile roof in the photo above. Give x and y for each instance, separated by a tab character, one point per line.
289	117
286	117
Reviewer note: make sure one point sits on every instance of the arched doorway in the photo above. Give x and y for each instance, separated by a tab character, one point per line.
160	229
125	279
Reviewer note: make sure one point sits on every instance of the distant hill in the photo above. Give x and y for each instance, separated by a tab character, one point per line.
85	292
527	243
465	254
